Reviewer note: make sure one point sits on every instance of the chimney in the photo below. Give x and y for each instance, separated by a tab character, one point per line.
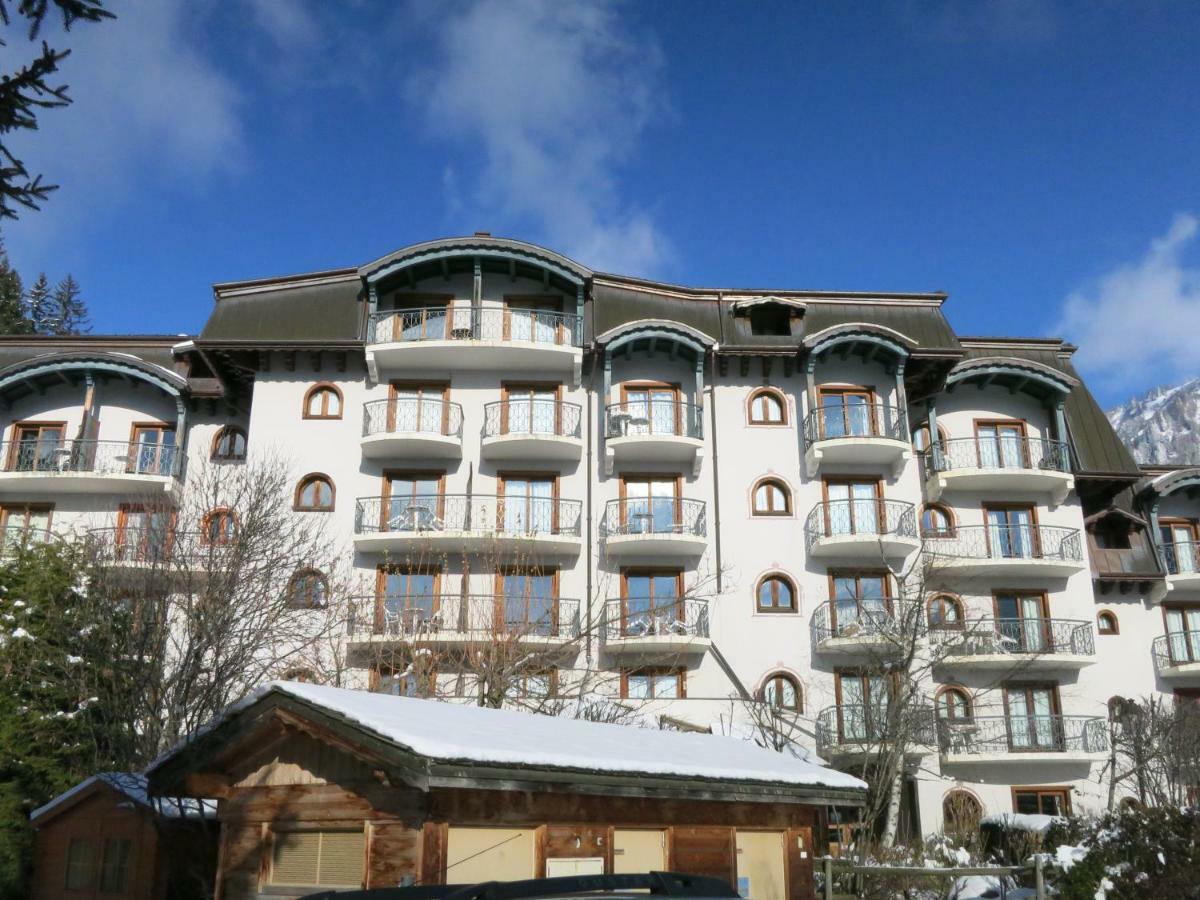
483	234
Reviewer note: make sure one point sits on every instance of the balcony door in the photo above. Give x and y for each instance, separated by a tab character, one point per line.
21	522
1022	625
860	601
862	705
1179	546
143	535
853	507
406	601
1001	445
420	408
528	602
650	505
533	319
531	409
528	504
847	412
1183	633
417	317
652	409
38	447
1032	714
651	602
153	450
1011	532
413	501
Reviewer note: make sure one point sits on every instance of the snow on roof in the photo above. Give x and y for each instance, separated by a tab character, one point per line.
456	732
1021	821
133	785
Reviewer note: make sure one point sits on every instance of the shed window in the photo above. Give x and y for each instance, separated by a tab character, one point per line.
114	870
317	858
80	864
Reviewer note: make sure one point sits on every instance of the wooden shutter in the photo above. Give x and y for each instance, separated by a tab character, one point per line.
341	861
318	858
294	857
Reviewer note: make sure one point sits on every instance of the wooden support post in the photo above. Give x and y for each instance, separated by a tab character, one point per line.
1039	878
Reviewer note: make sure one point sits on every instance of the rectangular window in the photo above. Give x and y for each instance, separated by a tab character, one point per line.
534	319
528	505
114	867
416	680
862	701
143	534
1022	623
152	450
528	601
1183	633
413	501
858	599
1011	532
652	409
24	523
537	684
652	684
81	864
1033	720
38	447
1001	445
407	601
853	507
1179	546
420	408
531	409
651	601
650	505
847	412
317	858
1042	801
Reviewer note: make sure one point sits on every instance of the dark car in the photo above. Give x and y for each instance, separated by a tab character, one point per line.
614	887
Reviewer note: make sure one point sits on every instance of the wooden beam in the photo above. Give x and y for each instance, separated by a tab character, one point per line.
745	365
289	360
314	359
445	269
203	784
340	360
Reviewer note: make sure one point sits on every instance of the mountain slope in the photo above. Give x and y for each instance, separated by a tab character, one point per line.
1162	426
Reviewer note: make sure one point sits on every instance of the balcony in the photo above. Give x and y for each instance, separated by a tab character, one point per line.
88	467
1177	656
177	554
850	731
654	431
661	527
1032	645
407	428
1008	550
461	336
449	620
1017	738
541	430
863	627
868	529
472	523
14	537
1012	465
632	629
870	435
1183	565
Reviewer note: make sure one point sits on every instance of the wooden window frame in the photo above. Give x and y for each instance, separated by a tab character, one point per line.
1055	711
1193	644
126	871
953	600
650	572
782	485
500	604
863	675
1044	605
25	508
1035	532
126	509
776	610
951	524
381	594
538	303
781	676
848	390
679	672
1021	424
502	479
15	442
506	392
880	516
831	577
137	428
324	415
1064	791
1116	622
93	872
408	302
415	474
961	692
648	385
766	391
304	482
422	386
307	573
206	520
646	478
268	885
229	429
425	680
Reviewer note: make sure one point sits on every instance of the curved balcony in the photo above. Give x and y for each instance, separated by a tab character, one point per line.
1182	560
14	537
88	467
1031	645
1177	656
871	529
874	434
407	427
525	429
472	523
1018	738
447	620
1012	465
133	549
635	628
661	527
654	431
461	336
866	627
1004	550
856	730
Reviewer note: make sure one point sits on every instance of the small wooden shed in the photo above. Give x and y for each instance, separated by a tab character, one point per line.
325	787
107	839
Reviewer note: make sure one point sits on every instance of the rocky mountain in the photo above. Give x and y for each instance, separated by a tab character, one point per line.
1162	426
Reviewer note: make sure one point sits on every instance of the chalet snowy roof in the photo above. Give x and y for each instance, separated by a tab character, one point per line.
134	786
470	736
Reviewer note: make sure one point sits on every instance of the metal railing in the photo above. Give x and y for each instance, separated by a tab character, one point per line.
94	457
462	321
661	515
1182	557
410	415
1015	733
664	418
636	618
532	416
1176	648
851	725
1049	542
1018	637
14	536
473	616
867	517
432	513
958	454
832	421
154	547
864	617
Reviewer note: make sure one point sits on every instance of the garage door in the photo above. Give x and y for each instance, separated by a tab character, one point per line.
488	854
639	850
760	865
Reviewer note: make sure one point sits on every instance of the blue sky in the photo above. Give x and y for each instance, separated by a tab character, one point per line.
1035	159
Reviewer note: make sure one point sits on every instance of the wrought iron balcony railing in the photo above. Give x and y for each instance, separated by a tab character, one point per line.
410	415
863	726
1018	637
92	457
475	323
432	513
661	418
835	421
455	616
661	515
1049	542
15	536
1176	648
1015	453
867	517
1016	734
1182	557
532	416
636	618
863	617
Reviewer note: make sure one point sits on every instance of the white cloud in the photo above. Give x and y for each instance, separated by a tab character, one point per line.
554	97
1137	324
1000	22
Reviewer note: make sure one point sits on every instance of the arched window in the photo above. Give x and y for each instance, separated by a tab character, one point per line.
767	407
945	611
314	493
219	526
961	812
953	704
782	691
920	436
229	445
308	589
776	594
323	401
937	521
1106	623
772	498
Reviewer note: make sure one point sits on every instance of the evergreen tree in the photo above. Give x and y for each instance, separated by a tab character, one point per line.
38	306
69	314
12	307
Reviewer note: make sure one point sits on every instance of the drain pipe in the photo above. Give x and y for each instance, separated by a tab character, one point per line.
716	478
591	438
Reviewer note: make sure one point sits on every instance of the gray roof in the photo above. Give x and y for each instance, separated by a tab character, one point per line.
151	348
315	309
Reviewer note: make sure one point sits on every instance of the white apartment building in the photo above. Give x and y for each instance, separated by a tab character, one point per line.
699	502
